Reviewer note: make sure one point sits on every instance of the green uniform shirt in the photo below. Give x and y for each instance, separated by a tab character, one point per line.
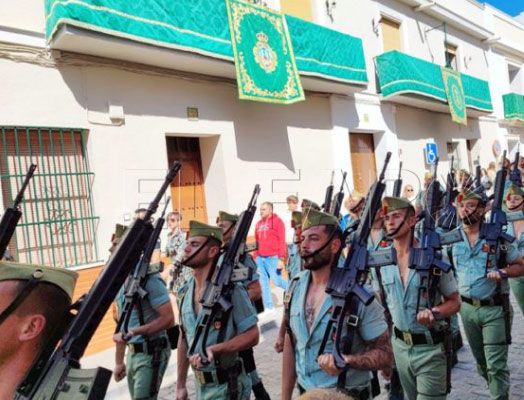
309	375
157	295
402	301
242	317
470	264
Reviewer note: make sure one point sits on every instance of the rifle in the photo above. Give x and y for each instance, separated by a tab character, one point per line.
426	260
494	231
397	186
56	374
216	299
339	198
13	214
346	285
447	219
134	291
329	195
514	175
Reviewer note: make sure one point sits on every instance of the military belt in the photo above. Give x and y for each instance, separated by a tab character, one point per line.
414	339
149	347
494	301
361	395
219	375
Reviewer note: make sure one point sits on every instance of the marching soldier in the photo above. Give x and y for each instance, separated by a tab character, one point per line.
417	337
225	374
148	346
34	301
308	309
227	222
485	312
515	203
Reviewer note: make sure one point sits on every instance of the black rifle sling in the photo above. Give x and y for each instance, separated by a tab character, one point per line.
506	308
288	297
350	338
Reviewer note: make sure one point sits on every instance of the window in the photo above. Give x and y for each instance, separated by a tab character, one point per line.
57	225
451	56
297	8
390	34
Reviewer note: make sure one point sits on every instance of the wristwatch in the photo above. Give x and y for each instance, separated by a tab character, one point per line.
503	274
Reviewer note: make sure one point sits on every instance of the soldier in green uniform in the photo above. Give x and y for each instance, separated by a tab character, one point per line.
148	347
486	321
227	222
515	203
308	309
34	300
214	380
417	336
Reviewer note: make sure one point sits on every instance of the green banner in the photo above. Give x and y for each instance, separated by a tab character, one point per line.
264	59
455	94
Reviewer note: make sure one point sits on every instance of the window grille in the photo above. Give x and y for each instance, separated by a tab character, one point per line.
58	224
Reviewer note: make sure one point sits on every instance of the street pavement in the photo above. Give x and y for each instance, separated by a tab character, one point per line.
467	384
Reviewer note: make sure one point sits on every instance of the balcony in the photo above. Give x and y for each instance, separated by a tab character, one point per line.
418	83
193	36
514	109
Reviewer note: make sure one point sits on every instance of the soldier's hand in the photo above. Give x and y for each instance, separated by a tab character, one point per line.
425	317
119	338
494	276
279	344
120	372
181	394
210	353
327	363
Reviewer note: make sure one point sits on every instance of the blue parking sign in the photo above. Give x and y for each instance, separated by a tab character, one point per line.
431	153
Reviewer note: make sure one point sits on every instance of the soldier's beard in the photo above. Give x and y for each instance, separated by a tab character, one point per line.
471	219
316	261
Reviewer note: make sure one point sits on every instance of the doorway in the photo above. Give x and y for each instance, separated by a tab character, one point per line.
187	190
363	162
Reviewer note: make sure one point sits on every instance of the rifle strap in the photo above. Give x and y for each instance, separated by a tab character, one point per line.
288	296
383	300
506	308
348	339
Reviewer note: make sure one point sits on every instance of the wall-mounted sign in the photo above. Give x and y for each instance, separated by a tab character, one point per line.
497	148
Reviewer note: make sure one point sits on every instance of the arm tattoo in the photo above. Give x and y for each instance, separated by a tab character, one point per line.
378	355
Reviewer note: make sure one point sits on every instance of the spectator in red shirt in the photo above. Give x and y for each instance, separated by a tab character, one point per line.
270	234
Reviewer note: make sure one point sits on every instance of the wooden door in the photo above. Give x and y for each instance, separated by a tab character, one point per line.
187	191
362	161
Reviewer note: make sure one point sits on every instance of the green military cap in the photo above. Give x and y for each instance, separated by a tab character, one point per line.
296	218
315	218
515	190
63	278
119	230
225	216
390	204
197	228
309	204
468	194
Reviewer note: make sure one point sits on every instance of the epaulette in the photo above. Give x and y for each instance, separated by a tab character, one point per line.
514	216
450	237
